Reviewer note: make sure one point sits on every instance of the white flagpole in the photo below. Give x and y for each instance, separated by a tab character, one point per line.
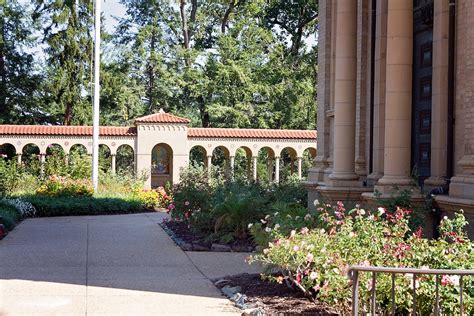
95	118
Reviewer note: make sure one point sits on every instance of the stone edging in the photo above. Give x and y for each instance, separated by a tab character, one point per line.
185	246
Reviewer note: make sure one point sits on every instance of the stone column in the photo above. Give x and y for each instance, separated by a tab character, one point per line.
379	92
254	168
345	94
232	167
66	159
113	163
300	160
42	162
398	96
462	185
209	166
270	169
325	57
439	98
277	169
18	159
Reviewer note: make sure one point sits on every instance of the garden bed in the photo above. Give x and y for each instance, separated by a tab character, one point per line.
274	298
189	240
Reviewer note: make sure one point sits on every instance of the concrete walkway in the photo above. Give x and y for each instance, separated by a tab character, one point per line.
102	265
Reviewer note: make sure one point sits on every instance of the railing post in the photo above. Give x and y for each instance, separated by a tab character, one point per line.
437	296
393	295
414	294
373	305
355	293
461	288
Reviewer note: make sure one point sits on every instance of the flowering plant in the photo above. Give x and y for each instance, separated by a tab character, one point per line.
156	198
317	260
61	186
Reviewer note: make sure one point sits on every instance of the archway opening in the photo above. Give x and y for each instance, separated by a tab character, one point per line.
161	165
55	160
105	158
266	164
198	156
288	163
309	154
243	163
31	159
220	161
7	151
125	160
79	162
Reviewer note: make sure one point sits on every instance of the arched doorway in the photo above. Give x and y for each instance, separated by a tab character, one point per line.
161	165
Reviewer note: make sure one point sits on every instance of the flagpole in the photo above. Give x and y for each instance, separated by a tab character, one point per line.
95	117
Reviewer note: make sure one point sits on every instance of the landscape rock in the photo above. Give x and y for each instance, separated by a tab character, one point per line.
252	312
220	248
242	248
200	247
187	246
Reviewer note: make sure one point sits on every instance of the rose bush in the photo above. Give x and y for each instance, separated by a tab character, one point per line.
317	260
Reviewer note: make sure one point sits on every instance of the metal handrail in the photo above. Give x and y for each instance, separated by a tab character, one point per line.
354	275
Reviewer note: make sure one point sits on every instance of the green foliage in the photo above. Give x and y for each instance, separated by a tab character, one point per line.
9	179
317	259
222	210
63	186
10	215
73	205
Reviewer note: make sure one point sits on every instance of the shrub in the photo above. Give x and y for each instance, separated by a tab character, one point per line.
9	176
317	260
13	210
82	205
156	198
62	186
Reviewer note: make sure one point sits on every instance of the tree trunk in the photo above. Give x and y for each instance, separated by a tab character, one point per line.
68	113
184	24
3	76
151	75
227	13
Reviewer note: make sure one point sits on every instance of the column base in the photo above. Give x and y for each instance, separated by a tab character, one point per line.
333	194
388	185
462	187
373	178
433	183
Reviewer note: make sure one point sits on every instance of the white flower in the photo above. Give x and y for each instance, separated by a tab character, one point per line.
381	210
250	226
445	218
322	231
297	217
351	234
265	251
276	213
310	247
313	275
289	216
25	208
293	233
371	217
307	217
268	229
362	212
263	221
276	226
455	280
316	202
267	217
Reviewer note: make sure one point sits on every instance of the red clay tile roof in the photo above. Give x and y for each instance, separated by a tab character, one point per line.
251	133
65	130
162	117
132	131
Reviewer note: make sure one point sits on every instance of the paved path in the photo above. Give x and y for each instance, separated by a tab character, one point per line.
101	265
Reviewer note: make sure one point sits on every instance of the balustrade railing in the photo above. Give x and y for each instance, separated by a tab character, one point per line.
355	271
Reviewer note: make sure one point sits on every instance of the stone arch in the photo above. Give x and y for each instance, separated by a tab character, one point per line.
161	165
31	158
8	151
288	162
105	158
125	159
198	156
243	162
265	164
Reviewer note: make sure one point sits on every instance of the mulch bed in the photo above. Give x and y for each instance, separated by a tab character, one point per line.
189	240
274	298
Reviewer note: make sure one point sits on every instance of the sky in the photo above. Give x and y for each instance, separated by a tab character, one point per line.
112	8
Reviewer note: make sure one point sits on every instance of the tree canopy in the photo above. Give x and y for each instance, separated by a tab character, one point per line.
222	63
